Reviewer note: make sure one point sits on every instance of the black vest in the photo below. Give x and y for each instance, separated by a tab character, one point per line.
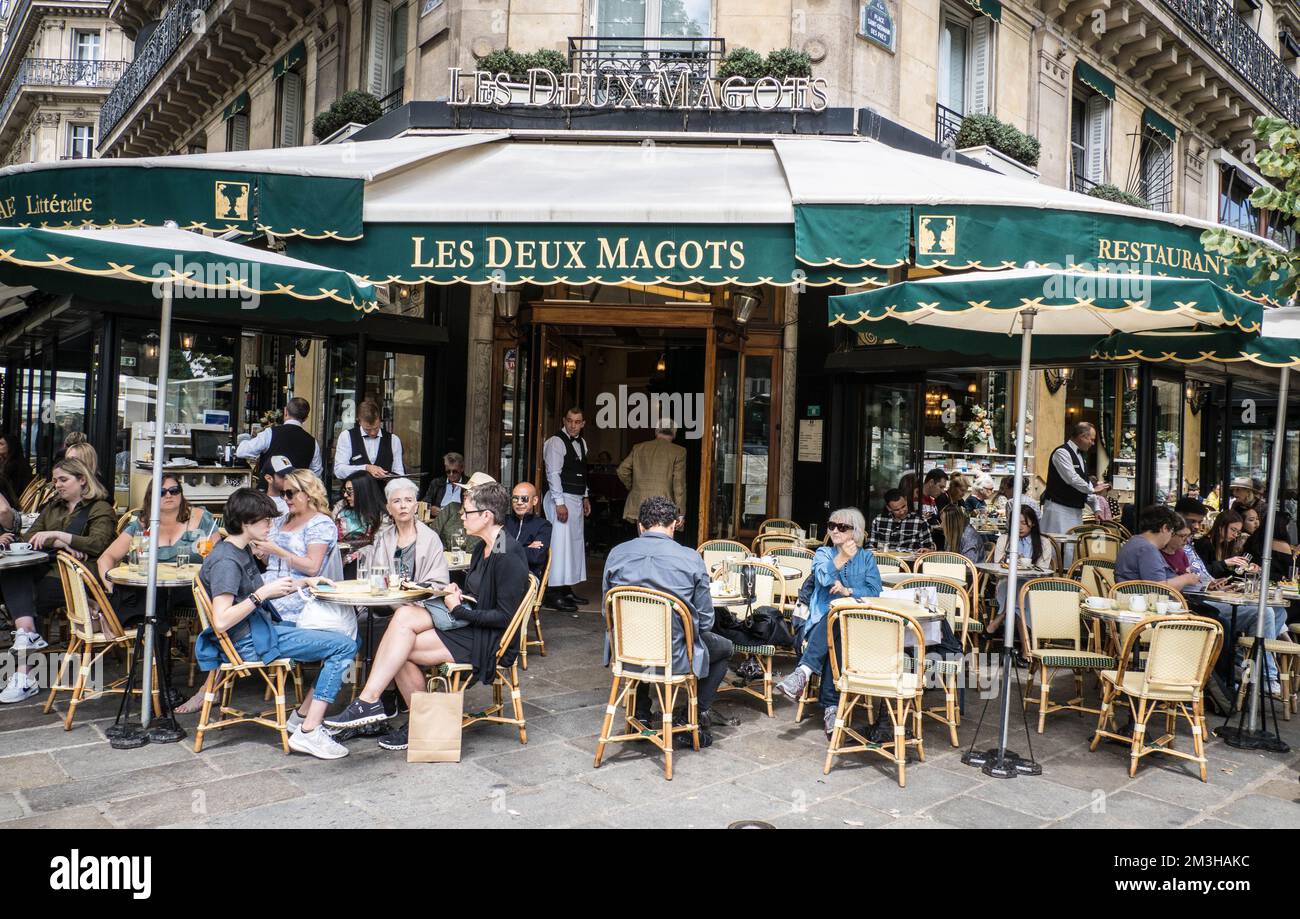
291	441
573	474
383	458
1058	490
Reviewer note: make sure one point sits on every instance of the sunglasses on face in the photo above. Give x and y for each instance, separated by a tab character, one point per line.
290	494
172	490
520	499
842	527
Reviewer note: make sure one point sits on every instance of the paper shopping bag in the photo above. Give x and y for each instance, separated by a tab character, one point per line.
433	732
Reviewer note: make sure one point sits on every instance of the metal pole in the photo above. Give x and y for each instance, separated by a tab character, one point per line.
1266	562
155	510
1013	524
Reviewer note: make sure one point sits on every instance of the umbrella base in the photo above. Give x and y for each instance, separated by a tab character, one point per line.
165	730
1006	764
126	737
1246	739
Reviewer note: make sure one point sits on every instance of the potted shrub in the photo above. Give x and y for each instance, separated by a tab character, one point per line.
351	108
1108	192
998	145
761	77
517	64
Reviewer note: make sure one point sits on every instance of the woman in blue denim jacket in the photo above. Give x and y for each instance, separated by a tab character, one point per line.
842	569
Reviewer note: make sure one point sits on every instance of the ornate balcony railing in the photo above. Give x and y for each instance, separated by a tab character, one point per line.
1232	38
48	71
183	18
640	58
392	101
946	124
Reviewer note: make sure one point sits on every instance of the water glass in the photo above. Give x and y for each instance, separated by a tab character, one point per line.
378	578
182	557
812	531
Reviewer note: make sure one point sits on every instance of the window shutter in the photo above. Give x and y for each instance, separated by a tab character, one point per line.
981	70
1096	136
380	16
291	109
237	133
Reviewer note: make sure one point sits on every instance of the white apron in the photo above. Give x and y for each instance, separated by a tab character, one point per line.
1057	518
568	551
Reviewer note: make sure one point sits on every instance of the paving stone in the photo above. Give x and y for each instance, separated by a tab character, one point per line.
1180	783
99	759
831	814
1089	819
320	811
639	779
712	807
1287	789
1131	807
1214	825
925	787
1034	795
1260	811
32	770
72	818
211	799
915	822
568	701
49	737
10	807
560	804
119	786
802	780
974	813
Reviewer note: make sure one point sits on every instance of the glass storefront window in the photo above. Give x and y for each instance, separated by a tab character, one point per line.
757	440
395	381
888	421
514	411
725	473
342	406
1169	441
969	415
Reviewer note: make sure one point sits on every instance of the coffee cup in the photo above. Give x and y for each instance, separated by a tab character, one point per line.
1162	607
20	547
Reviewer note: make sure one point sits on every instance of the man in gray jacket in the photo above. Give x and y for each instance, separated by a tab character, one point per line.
655	560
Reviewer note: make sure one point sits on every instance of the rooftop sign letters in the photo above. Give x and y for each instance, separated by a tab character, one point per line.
653	85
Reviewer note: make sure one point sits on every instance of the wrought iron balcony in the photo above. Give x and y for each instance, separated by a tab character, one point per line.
1232	38
1082	184
48	71
392	101
641	60
183	18
946	124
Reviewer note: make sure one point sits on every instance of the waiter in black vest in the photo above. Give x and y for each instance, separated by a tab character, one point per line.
567	506
366	447
289	440
1068	486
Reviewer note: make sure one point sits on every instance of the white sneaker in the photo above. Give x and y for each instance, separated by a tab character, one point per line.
295	722
20	687
317	743
28	641
1275	689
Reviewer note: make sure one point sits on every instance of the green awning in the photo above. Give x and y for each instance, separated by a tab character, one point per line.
1160	125
850	235
217	200
1195	347
1090	76
990	8
236	107
291	59
977	344
579	253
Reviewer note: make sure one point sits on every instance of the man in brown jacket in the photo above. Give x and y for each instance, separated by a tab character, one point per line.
654	468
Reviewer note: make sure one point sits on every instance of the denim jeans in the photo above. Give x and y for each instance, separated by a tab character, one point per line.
1247	617
816	659
334	650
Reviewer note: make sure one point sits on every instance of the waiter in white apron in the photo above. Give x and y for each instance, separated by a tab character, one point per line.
1068	486
567	504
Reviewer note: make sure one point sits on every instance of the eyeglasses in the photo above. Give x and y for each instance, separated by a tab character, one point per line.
520	499
348	492
289	494
842	527
465	513
172	490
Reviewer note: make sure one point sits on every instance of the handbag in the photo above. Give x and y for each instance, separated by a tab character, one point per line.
326	616
434	728
442	617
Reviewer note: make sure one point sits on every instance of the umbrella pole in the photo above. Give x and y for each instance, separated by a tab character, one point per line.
166	731
1003	763
1255	735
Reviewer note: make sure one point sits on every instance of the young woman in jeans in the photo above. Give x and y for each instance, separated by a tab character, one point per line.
242	608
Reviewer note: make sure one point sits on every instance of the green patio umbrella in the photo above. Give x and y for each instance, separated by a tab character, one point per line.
1000	309
159	265
1276	344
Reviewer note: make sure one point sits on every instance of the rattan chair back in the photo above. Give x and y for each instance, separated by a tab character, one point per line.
778	525
951	565
1052	605
1099	544
720	550
766	542
81	588
640	625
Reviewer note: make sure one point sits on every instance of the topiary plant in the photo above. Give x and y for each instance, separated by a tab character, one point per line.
353	106
987	130
1108	192
503	60
546	59
787	62
745	63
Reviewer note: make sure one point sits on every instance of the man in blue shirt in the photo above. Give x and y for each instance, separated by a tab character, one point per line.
654	559
1142	557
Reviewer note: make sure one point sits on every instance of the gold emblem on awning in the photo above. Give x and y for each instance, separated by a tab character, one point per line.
231	200
936	234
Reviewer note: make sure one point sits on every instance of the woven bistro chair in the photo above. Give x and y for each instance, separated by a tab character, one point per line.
221	682
769	588
766	542
954	599
956	567
91	637
1182	651
459	677
872	664
1055	642
778	525
639	624
539	642
27	500
1286	653
716	551
1099	544
126	518
794	557
1097	575
1154	592
1115	528
891	564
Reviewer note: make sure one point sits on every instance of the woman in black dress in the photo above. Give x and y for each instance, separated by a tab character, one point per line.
494	587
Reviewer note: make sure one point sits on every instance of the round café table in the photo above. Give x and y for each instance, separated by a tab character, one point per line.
11	559
169	575
359	593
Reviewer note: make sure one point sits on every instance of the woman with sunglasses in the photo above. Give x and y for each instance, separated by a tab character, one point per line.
360	512
843	569
180	527
302	543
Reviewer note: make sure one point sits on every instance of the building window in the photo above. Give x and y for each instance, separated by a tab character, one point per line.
237	132
288	109
1236	210
651	18
387	46
966	63
1154	182
1089	138
81	141
86	46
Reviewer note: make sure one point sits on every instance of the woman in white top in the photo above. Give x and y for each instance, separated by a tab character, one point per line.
302	543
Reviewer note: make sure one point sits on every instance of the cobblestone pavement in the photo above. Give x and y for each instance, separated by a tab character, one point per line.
763	768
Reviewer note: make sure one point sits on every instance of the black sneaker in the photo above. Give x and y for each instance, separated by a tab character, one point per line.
358	713
581	601
394	739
